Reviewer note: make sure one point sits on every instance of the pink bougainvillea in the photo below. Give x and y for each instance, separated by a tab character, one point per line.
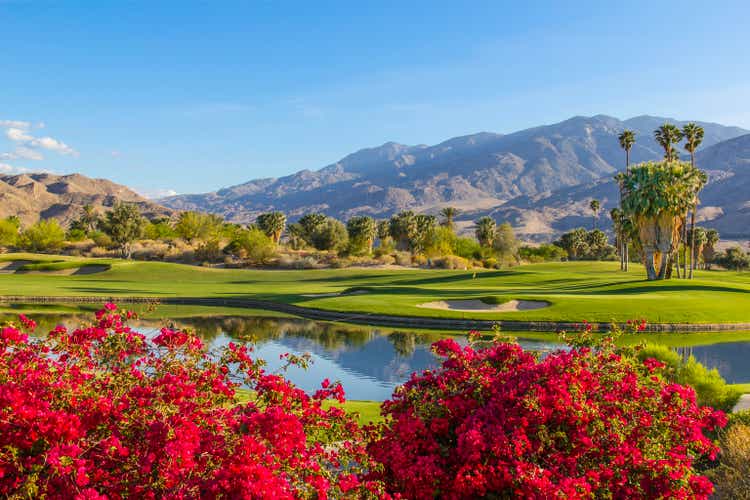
499	423
103	412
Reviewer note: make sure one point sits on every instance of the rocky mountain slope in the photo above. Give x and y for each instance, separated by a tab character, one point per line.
476	173
725	201
35	196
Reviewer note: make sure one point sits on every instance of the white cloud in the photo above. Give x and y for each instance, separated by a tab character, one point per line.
22	152
14	124
155	193
17	131
6	168
18	135
53	145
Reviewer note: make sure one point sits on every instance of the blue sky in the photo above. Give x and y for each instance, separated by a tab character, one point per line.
189	97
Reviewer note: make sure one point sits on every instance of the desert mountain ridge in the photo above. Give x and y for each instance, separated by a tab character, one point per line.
522	176
42	195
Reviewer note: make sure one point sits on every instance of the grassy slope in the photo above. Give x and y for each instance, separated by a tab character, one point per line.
595	291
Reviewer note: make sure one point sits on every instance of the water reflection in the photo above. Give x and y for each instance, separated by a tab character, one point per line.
369	361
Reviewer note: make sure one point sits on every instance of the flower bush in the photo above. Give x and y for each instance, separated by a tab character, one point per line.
104	412
498	422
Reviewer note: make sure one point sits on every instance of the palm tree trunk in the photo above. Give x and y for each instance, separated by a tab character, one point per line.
650	270
684	246
677	261
692	241
627	255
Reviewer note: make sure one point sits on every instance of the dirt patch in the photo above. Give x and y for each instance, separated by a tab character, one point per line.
476	305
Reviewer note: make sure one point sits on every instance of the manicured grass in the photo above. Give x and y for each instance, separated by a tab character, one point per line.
366	411
743	388
576	291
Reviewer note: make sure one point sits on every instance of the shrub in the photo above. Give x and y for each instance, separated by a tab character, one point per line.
545	252
497	422
102	410
8	231
710	387
468	248
402	258
732	475
101	239
44	236
252	244
452	262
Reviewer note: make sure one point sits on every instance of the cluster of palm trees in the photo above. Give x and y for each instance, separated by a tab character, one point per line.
659	191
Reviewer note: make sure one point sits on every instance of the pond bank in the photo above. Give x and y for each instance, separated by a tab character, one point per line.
370	318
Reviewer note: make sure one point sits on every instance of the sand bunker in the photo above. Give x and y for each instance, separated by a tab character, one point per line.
476	305
14	267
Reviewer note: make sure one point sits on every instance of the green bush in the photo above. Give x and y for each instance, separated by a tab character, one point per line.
101	239
75	234
711	389
44	236
8	232
545	252
253	245
468	248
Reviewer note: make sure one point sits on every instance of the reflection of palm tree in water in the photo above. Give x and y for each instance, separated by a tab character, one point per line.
685	353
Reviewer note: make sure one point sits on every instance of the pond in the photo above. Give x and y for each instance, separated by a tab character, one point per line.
369	361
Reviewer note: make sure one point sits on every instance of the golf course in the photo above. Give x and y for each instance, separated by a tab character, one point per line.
548	292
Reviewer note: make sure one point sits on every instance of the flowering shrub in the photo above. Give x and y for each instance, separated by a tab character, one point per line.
497	422
102	411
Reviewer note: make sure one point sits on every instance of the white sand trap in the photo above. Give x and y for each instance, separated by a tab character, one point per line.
476	305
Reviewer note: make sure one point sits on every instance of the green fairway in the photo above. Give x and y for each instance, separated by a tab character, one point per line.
576	291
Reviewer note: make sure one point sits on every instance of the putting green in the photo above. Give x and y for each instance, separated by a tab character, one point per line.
576	291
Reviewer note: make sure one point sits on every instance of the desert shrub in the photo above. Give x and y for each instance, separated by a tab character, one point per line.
102	410
331	234
490	263
9	228
734	259
298	262
732	474
452	262
385	259
101	239
710	387
252	245
208	251
499	423
402	258
545	252
44	236
440	241
468	248
75	235
97	251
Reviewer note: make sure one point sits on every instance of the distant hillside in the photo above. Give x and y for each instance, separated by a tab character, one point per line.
476	173
35	196
725	201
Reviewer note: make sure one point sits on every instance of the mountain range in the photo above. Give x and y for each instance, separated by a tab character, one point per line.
540	179
61	197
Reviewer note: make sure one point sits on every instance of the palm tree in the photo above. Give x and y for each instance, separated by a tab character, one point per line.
273	224
449	214
595	206
403	227
693	134
485	231
362	231
627	139
668	136
709	249
656	195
